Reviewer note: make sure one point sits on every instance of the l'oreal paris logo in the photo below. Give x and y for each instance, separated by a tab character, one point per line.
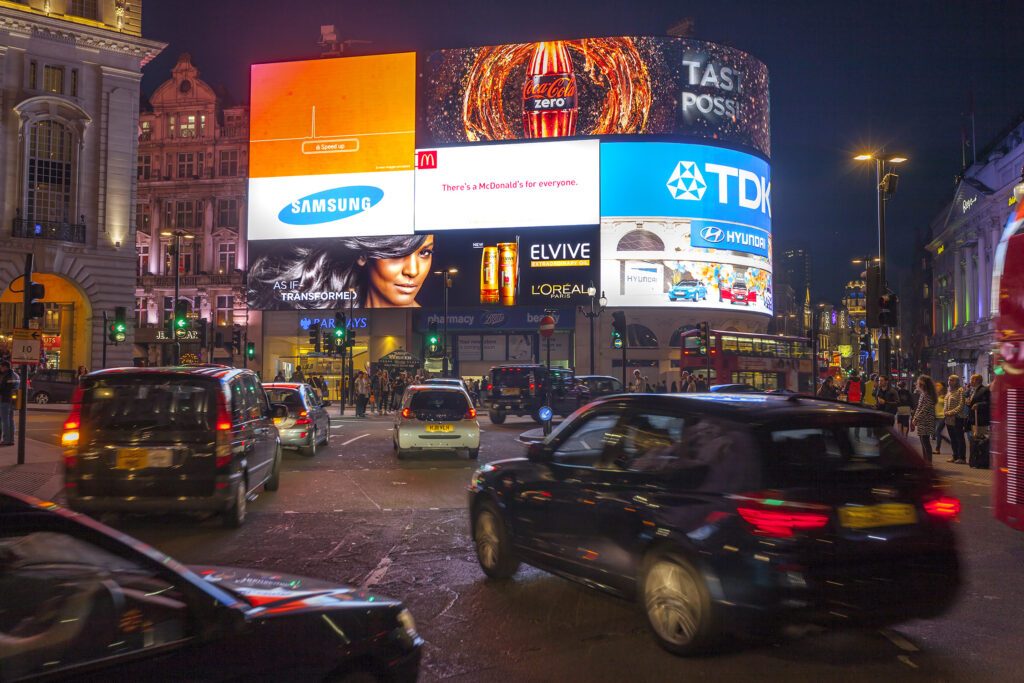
330	205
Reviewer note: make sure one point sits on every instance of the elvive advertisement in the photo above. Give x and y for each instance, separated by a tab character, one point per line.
494	267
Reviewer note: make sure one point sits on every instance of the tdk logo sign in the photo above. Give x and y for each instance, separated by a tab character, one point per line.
748	190
330	205
712	234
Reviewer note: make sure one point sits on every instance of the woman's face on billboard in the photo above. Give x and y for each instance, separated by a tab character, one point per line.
395	282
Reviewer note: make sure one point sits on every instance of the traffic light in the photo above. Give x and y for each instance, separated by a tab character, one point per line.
618	329
34	292
119	328
203	333
236	339
704	339
887	307
874	291
180	319
865	343
330	348
314	337
250	350
350	338
433	339
340	328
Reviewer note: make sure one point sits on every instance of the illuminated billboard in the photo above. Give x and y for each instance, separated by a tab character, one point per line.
512	185
331	147
686	226
595	86
500	268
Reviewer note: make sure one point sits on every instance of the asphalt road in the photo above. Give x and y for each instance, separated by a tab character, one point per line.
357	515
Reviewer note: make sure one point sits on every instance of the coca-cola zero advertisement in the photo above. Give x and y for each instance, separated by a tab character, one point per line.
663	86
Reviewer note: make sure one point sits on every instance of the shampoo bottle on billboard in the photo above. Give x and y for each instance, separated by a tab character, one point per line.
549	93
508	261
489	276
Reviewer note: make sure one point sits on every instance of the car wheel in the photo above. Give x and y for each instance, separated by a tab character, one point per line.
234	516
42	398
310	450
474	453
493	550
497	416
275	474
678	605
327	435
400	454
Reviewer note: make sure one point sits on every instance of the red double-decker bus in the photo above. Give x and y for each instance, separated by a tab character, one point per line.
1007	444
763	361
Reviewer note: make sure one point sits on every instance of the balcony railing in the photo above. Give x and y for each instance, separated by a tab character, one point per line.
162	281
49	230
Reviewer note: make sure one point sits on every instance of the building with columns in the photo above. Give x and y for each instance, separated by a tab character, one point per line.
70	73
192	167
964	237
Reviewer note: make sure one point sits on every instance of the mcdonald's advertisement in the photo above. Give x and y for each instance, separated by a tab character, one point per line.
594	86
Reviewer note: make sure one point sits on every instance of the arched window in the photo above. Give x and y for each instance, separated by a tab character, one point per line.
51	172
640	336
640	240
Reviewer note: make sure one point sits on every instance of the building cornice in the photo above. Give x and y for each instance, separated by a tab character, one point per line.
28	25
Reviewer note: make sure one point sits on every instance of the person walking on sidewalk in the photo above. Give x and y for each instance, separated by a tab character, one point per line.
362	393
924	414
904	408
940	417
954	422
9	383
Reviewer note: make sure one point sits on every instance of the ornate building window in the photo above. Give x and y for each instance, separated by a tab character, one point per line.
141	311
227	213
224	311
51	172
226	257
53	79
142	264
145	167
83	8
229	163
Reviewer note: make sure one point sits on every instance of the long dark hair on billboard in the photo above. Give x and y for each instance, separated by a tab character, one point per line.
384	272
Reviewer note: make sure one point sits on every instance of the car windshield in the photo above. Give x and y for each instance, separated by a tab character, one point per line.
438	400
688	283
119	402
513	377
289	397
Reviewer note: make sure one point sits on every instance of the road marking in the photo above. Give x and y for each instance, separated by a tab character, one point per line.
366	495
375	576
899	641
906	660
338	510
345	443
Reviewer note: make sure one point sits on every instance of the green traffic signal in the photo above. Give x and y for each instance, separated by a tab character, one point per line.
339	333
250	350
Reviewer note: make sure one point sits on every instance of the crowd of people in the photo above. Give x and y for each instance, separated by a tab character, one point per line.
928	408
687	383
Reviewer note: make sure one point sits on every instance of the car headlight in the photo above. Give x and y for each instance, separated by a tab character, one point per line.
407	622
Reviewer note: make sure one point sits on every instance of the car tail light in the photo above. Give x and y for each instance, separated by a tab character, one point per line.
223	444
303	418
406	413
72	426
777	518
533	387
470	414
941	506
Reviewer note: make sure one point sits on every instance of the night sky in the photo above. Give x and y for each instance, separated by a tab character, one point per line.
843	76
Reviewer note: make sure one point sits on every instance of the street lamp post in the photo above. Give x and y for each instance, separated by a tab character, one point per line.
816	346
449	276
885	182
177	235
594	312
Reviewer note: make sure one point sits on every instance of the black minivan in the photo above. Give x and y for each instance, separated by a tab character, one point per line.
178	439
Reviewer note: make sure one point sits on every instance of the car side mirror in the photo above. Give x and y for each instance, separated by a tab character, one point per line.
279	410
537	452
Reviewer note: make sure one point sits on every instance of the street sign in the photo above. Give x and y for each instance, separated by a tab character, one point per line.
547	326
27	334
26	351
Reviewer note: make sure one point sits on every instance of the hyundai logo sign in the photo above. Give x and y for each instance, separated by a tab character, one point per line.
712	234
330	205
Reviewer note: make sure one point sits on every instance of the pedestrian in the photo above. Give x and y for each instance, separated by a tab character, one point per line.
924	415
375	391
9	383
362	393
867	394
887	399
854	389
675	387
940	417
828	388
637	385
979	407
82	372
954	422
279	377
699	384
904	408
298	376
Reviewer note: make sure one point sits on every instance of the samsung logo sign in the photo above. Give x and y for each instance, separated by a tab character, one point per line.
331	205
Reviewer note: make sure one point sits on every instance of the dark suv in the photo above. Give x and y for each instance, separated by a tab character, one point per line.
727	511
52	386
171	440
523	389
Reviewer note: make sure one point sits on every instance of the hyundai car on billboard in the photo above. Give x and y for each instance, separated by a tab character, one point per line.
496	267
508	185
595	86
331	147
685	225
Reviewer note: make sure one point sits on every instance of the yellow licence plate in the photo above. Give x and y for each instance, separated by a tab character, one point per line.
868	516
139	458
440	428
509	392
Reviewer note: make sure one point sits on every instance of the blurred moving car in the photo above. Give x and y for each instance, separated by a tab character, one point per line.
176	439
434	417
307	424
726	512
522	389
81	601
734	389
688	290
51	386
601	385
446	382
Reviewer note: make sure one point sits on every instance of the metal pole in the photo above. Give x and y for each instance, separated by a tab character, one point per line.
624	363
548	339
103	365
591	316
26	287
884	350
177	287
444	342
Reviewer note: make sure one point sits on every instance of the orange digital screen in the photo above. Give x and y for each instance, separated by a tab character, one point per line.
327	116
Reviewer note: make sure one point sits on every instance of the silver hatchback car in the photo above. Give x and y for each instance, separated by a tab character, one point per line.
307	425
437	418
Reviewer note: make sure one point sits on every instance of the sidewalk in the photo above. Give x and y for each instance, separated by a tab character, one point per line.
41	476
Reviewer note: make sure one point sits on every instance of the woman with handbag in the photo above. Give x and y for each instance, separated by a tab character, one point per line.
954	419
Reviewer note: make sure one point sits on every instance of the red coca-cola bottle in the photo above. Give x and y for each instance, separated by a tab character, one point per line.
549	93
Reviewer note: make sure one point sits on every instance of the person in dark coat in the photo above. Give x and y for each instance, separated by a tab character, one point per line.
828	388
978	407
